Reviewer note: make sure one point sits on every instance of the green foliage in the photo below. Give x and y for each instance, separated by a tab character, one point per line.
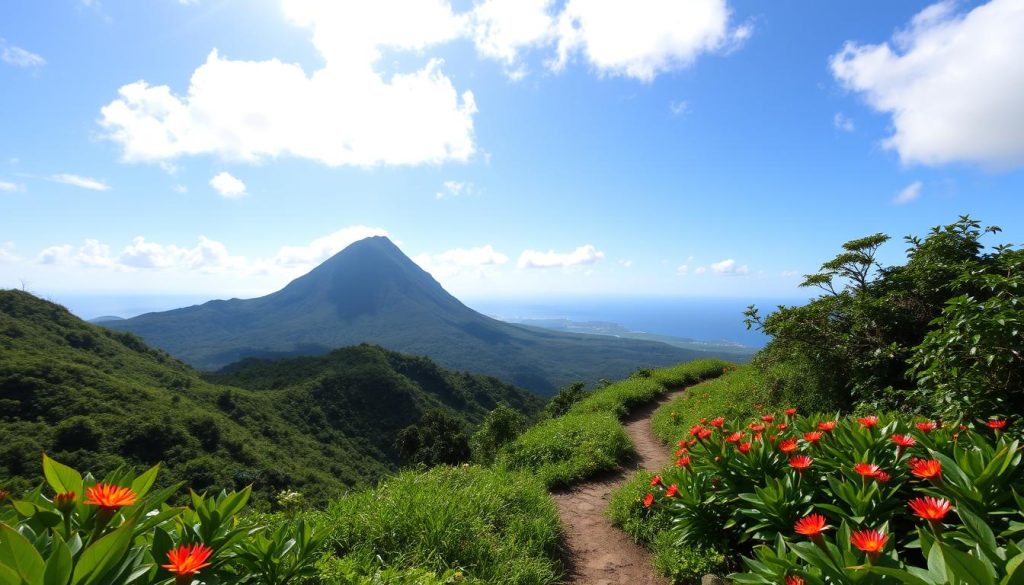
620	397
859	335
315	425
492	525
685	564
500	427
973	358
120	531
438	439
566	397
643	525
565	450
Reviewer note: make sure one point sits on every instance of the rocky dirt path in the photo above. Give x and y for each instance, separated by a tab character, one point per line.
598	553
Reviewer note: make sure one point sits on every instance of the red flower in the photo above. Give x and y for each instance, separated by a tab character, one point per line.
768	418
648	500
680	452
869	541
927	427
996	423
868	421
743	447
757	427
927	468
790	411
187	560
3	495
695	430
682	443
684	462
794	580
672	490
718	422
810	525
656	480
827	425
800	462
734	438
782	426
65	501
931	509
705	433
813	436
109	496
882	477
788	446
903	440
757	437
867	469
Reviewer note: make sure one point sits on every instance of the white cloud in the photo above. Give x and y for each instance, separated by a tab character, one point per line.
501	29
346	113
728	266
643	38
206	256
461	260
626	263
320	249
228	185
7	186
455	189
789	273
700	270
7	255
679	108
683	270
55	254
80	181
953	83
587	254
19	57
908	193
841	122
180	189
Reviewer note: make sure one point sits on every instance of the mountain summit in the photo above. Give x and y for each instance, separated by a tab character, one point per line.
372	292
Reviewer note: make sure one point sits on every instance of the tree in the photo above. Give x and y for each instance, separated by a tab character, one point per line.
500	427
438	439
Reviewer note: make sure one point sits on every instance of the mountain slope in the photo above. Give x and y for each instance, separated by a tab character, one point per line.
96	398
371	292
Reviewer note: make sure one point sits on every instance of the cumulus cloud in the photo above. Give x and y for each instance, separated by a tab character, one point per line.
322	248
461	260
228	185
953	83
18	57
455	189
587	254
729	266
683	270
503	29
841	122
206	256
80	182
643	38
7	186
908	193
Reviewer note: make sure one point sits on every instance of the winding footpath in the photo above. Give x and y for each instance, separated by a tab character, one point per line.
597	552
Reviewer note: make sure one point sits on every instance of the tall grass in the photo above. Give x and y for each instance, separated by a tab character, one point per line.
646	385
470	524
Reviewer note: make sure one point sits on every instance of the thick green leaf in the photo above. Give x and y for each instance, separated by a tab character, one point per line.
18	554
145	481
102	556
61	477
59	565
967	568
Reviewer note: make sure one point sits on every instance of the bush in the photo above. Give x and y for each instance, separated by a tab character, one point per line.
500	427
560	403
642	524
565	450
493	525
685	564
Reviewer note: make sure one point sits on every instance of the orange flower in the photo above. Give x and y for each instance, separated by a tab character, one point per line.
794	580
800	462
869	541
109	496
672	490
695	430
743	447
703	434
882	477
768	418
683	462
867	469
827	425
868	421
782	426
65	501
648	500
718	422
931	509
656	480
680	452
790	411
903	440
996	423
927	468
927	427
734	438
187	560
813	436
757	427
3	495
810	525
788	446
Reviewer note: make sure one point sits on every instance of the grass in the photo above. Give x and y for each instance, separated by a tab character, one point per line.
564	450
646	385
469	524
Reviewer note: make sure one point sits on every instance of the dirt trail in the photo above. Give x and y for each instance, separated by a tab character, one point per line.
598	553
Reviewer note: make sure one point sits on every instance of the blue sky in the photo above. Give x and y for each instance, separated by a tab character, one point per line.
511	147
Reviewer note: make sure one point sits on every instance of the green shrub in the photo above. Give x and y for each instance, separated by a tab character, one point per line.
642	524
620	397
493	525
565	450
500	427
567	396
685	564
